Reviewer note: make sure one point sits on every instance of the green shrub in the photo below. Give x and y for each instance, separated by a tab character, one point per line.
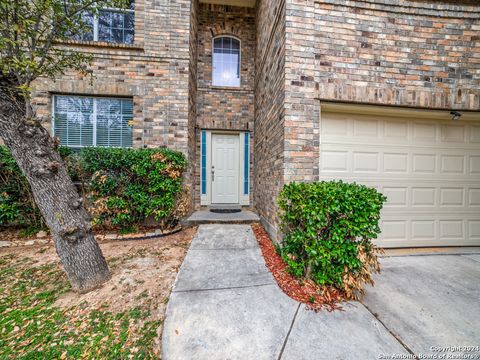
121	187
328	228
17	206
127	186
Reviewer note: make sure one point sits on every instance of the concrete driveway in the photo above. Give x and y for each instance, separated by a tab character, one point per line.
430	302
226	305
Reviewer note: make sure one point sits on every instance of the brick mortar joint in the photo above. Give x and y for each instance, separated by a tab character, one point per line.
409	9
101	45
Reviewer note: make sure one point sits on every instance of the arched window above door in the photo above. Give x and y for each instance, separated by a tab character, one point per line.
226	61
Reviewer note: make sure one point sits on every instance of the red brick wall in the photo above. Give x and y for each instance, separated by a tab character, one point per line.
219	107
224	108
401	53
154	71
406	53
269	108
192	96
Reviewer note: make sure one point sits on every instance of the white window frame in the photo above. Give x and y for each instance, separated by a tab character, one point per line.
94	120
239	60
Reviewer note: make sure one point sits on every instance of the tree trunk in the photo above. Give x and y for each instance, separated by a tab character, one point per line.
55	195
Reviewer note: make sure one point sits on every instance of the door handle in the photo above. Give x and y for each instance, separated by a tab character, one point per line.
213	173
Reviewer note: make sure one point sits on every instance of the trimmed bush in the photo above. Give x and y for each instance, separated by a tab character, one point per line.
121	187
127	186
328	228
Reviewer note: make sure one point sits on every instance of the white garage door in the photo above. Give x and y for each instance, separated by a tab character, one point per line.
428	169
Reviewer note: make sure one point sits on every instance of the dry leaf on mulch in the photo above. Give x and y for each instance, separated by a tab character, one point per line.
316	297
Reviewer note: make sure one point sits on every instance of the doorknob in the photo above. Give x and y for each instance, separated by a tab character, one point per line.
213	173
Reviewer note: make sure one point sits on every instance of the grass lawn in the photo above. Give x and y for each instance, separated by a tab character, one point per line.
41	318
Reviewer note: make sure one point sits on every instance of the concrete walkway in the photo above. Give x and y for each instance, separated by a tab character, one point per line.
226	305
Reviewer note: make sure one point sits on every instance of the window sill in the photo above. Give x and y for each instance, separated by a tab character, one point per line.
100	44
229	88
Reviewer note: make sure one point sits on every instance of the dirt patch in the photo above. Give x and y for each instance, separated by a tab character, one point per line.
38	254
143	273
146	279
314	296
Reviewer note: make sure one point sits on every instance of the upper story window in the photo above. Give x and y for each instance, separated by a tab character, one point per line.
226	61
80	121
110	25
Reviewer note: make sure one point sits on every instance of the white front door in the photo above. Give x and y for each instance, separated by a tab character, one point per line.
225	169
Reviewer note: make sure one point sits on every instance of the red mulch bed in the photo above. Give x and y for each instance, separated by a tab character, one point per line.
316	297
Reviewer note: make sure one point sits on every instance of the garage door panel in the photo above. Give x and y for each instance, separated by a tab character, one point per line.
336	126
366	128
402	230
402	146
452	164
358	128
395	162
423	196
383	159
453	133
335	161
424	132
365	161
423	229
452	197
395	130
474	197
426	198
438	199
474	165
475	134
397	196
474	229
452	229
394	230
424	163
429	171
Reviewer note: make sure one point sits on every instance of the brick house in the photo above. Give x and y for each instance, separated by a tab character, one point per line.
260	93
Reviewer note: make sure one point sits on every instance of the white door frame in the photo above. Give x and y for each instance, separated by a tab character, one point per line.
206	199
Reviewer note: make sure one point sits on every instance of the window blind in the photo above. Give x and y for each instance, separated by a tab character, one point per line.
85	121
